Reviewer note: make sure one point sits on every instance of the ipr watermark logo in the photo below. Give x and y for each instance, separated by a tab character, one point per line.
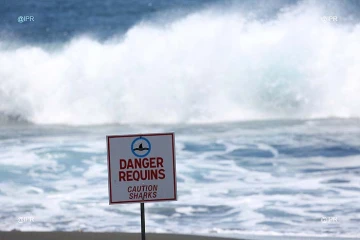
329	19
25	219
329	220
22	19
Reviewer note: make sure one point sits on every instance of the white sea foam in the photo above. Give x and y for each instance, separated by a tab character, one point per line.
64	187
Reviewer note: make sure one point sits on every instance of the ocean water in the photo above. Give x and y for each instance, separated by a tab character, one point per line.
263	97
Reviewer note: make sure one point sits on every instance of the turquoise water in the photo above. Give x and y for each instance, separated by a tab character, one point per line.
258	178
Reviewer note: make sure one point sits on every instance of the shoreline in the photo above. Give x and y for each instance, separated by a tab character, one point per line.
19	235
78	235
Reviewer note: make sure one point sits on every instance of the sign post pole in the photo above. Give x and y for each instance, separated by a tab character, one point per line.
142	207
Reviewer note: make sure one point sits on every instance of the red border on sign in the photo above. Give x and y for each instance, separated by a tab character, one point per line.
109	169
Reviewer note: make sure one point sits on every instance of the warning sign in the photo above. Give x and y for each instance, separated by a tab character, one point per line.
141	168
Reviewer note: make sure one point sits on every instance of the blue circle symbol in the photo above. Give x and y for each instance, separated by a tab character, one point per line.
139	148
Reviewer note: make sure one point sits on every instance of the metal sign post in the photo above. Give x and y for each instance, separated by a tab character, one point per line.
141	168
142	207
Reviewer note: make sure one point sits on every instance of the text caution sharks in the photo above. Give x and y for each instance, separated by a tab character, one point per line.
141	168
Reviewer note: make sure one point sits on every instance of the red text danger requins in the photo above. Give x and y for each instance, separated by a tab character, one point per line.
141	169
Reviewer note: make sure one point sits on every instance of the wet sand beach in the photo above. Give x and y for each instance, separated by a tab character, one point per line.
18	235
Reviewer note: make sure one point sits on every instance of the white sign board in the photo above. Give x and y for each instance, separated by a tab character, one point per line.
141	168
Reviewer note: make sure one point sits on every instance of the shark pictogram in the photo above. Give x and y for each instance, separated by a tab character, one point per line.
140	148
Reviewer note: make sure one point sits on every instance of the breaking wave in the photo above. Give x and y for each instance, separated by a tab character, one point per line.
208	66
